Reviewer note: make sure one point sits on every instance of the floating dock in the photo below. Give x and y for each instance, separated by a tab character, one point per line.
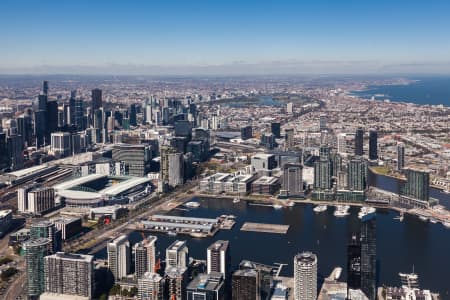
267	228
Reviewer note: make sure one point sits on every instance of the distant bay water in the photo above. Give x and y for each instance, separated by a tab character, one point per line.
426	90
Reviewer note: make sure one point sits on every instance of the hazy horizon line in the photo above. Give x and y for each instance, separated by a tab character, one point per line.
274	67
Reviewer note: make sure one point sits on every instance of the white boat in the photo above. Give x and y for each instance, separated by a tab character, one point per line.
445	191
433	220
365	210
192	204
277	206
320	208
236	200
446	224
172	233
399	217
423	218
289	204
342	211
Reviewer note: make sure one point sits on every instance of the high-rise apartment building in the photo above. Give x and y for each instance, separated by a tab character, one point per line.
96	99
400	156
417	184
145	256
373	144
69	274
292	181
369	256
119	257
356	174
359	142
305	276
34	252
218	258
177	255
150	286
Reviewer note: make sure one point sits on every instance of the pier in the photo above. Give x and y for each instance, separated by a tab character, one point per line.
264	227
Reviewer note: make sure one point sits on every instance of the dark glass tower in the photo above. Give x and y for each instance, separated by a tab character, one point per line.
45	87
133	121
369	256
373	144
276	129
96	99
359	141
354	264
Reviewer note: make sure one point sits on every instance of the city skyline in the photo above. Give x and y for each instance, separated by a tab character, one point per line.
224	38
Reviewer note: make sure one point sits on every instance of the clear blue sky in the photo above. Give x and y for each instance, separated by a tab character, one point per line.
64	33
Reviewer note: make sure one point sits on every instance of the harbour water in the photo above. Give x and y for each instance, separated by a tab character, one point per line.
427	90
400	245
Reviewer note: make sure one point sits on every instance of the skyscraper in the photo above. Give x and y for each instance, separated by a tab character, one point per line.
46	229
145	256
14	145
276	129
292	183
45	87
176	281
417	184
177	255
150	286
245	285
322	175
359	141
61	143
373	144
353	264
69	274
34	252
51	118
96	99
119	257
356	175
132	117
218	258
289	138
400	156
305	276
369	256
246	132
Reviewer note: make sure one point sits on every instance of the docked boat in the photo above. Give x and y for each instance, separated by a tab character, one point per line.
236	200
399	217
342	211
423	218
433	220
445	191
277	206
365	210
320	208
446	224
192	204
172	233
289	203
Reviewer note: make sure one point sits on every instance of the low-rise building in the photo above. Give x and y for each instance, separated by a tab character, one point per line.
265	185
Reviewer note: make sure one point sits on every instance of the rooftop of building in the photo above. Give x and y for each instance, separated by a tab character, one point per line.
266	180
208	282
28	171
219	245
262	155
72	256
4	213
65	220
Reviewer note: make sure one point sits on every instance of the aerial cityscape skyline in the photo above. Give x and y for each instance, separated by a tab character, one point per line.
224	150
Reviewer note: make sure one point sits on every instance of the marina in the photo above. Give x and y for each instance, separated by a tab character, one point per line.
267	228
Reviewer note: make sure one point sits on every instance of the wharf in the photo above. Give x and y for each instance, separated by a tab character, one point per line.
264	227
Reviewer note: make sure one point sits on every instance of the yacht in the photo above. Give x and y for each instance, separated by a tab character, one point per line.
342	211
236	200
289	203
192	204
365	210
399	217
433	220
172	233
423	218
277	206
320	208
446	224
